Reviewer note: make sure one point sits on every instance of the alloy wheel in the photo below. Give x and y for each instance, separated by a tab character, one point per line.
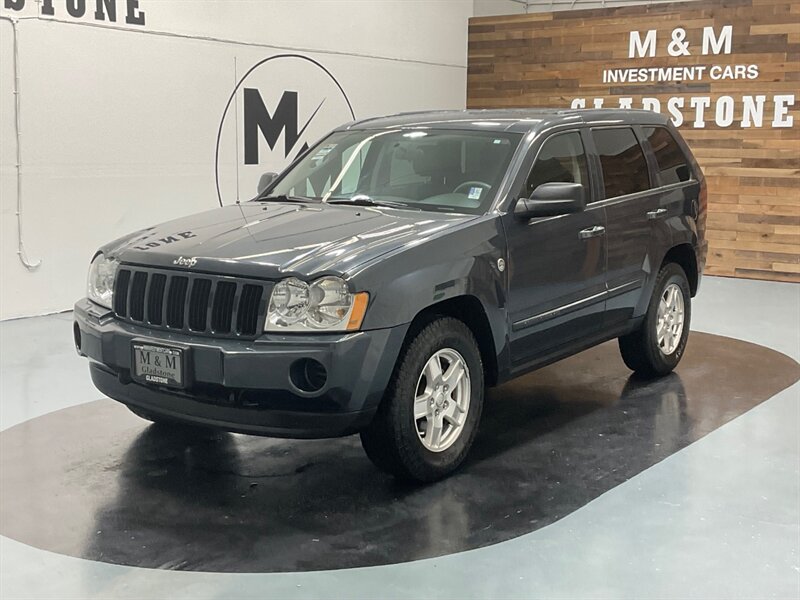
669	323
442	398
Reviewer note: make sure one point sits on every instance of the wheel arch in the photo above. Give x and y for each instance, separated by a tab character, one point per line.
469	310
684	256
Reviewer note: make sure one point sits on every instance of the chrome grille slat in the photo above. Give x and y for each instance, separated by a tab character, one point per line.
195	303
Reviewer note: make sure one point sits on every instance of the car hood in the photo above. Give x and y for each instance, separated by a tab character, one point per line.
278	239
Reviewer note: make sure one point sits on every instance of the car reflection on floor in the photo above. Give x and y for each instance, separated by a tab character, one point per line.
96	482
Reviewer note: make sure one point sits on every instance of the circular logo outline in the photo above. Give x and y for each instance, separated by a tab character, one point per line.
236	89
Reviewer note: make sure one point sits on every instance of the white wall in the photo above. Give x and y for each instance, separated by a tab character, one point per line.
486	8
119	122
553	5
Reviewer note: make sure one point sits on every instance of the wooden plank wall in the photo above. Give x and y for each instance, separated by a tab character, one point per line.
550	59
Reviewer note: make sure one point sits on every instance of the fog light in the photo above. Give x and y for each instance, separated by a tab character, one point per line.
308	375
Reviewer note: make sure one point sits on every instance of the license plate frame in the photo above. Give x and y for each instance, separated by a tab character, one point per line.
158	364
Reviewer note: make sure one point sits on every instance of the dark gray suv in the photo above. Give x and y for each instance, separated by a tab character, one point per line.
396	269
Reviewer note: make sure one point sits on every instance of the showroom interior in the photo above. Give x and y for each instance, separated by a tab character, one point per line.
155	142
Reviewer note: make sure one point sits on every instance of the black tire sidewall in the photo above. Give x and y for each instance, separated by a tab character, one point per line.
443	333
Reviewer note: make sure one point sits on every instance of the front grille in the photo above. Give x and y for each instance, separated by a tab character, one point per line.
192	302
136	297
198	304
176	301
223	307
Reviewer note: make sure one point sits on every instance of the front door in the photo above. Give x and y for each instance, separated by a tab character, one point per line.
556	265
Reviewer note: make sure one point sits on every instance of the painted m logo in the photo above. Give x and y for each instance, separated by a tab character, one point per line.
284	119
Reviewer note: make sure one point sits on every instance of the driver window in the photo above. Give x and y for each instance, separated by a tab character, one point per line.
561	159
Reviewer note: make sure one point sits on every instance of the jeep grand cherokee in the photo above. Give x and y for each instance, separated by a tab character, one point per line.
396	269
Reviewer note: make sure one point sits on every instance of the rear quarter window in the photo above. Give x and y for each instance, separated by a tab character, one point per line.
673	167
622	161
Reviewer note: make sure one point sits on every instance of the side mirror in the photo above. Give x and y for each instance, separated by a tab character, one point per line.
266	179
551	200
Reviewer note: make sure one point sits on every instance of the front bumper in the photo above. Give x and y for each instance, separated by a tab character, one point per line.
245	385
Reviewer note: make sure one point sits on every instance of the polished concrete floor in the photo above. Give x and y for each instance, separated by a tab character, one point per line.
583	483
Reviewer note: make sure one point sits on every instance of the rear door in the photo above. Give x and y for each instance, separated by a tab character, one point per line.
633	208
556	265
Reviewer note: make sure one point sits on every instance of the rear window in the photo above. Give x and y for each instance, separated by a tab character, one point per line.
622	160
672	164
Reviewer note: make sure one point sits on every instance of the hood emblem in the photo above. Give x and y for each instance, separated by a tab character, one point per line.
185	262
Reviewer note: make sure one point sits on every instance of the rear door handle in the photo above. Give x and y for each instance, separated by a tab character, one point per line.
592	232
656	214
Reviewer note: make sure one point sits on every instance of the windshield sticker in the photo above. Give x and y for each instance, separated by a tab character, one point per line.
323	151
474	193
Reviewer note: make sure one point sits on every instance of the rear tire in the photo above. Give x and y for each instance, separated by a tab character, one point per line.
658	344
430	412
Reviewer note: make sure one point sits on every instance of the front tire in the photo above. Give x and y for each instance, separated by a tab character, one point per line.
657	346
429	415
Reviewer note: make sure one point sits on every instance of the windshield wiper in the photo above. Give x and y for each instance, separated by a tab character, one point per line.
285	198
364	200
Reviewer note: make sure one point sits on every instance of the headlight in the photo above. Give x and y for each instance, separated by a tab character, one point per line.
100	283
323	305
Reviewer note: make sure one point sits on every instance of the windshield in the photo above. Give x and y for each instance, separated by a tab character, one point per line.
443	170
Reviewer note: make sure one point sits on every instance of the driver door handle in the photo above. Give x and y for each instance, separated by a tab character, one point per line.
592	232
656	214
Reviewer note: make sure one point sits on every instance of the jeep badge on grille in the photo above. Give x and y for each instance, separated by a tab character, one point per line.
185	262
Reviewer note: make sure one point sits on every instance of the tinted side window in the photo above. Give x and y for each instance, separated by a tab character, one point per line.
561	159
672	164
622	160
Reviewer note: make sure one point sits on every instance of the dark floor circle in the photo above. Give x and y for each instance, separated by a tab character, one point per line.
96	482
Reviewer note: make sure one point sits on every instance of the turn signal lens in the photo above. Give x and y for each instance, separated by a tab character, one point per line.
360	302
